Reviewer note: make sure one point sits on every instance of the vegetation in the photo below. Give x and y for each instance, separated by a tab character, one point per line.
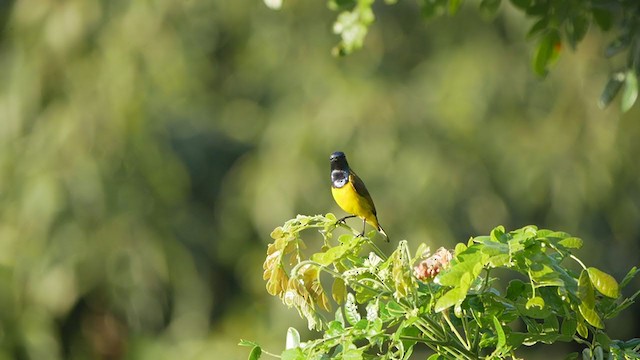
452	303
555	24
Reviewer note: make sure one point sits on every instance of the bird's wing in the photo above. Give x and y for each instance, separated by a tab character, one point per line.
362	190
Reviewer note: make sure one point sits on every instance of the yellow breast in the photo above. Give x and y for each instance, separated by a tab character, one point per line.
350	201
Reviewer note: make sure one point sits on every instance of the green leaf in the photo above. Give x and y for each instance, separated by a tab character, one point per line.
351	310
293	338
255	353
535	301
489	7
498	234
339	290
587	301
604	283
451	298
569	327
576	28
292	354
630	275
515	289
521	4
454	6
572	356
248	343
538	27
546	52
571	243
603	18
611	89
630	92
502	340
582	329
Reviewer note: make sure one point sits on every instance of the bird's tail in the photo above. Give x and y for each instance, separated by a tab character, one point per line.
381	230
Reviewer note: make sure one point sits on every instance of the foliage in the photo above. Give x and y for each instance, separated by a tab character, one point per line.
453	304
555	23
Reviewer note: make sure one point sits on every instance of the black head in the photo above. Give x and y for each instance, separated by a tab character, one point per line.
337	155
338	161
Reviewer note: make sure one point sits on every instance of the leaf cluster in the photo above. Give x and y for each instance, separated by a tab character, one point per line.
386	306
555	23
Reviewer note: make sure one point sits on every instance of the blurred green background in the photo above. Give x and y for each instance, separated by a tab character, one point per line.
148	148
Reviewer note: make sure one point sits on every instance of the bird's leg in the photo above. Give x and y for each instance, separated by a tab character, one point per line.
342	219
364	225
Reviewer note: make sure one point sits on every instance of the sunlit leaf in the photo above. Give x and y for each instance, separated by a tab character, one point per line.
449	299
571	243
293	338
535	301
502	340
604	282
339	290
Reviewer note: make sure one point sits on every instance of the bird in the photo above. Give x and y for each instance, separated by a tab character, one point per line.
351	194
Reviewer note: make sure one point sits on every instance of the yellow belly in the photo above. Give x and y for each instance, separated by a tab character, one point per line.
348	199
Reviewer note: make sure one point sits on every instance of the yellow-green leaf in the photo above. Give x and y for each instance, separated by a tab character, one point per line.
535	301
339	291
452	297
604	283
571	243
590	314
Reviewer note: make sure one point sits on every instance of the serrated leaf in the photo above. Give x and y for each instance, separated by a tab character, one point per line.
630	92
451	298
611	89
604	283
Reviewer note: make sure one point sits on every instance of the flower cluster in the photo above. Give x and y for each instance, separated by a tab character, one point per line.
428	268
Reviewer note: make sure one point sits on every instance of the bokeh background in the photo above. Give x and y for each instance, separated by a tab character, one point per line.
148	148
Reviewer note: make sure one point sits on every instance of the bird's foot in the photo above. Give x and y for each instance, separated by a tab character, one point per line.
342	220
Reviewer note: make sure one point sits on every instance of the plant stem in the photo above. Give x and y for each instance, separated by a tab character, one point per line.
455	331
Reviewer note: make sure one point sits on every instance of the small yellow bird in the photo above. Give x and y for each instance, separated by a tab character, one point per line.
350	193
